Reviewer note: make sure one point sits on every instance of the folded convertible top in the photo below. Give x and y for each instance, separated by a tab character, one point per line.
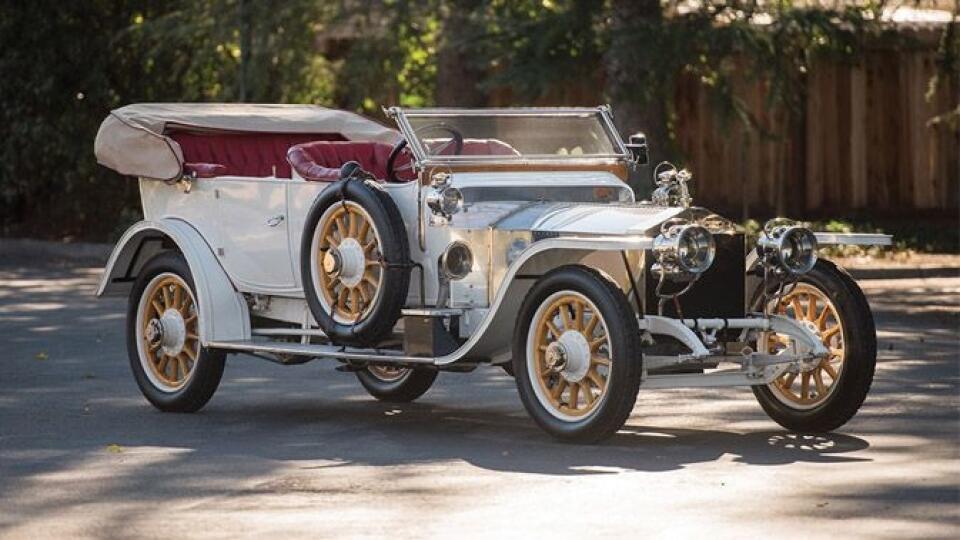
134	140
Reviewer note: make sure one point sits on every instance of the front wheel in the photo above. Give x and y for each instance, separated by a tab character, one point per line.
396	384
825	396
576	355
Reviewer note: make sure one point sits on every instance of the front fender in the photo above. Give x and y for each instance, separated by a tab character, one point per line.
223	311
835	239
495	332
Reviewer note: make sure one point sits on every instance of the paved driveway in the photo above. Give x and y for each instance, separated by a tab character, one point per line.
302	451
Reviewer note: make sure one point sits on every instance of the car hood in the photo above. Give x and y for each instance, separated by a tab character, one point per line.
586	219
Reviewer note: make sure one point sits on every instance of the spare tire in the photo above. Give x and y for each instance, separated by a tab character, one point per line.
355	262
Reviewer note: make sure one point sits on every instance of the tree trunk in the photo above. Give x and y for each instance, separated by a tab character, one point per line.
246	42
458	75
635	89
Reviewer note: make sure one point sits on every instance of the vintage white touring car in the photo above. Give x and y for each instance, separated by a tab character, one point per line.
501	236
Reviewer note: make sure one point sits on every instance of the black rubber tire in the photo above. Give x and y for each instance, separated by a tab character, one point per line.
413	385
626	369
210	363
379	323
860	356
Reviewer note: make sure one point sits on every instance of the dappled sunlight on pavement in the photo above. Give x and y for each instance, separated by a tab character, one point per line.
303	451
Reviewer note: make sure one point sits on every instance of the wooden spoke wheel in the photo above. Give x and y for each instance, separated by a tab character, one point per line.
810	386
172	368
571	355
349	262
355	262
388	374
396	384
576	354
822	396
167	332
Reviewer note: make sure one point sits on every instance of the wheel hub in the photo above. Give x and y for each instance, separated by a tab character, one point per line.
576	355
153	332
332	262
352	262
556	357
172	332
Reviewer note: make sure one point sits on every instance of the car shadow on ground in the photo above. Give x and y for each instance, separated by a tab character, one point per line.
511	442
366	433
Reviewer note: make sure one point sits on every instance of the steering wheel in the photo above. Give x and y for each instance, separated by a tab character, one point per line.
456	139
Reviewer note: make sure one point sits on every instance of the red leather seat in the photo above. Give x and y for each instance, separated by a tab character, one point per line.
320	161
241	154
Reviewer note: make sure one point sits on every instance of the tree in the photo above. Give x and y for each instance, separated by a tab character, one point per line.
460	72
639	79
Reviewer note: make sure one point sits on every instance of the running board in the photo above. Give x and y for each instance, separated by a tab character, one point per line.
320	351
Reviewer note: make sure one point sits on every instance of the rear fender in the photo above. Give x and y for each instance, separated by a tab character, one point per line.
223	311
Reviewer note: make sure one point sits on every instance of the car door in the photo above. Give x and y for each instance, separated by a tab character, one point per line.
254	234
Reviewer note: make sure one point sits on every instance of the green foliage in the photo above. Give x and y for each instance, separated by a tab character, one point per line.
61	77
63	69
533	46
393	64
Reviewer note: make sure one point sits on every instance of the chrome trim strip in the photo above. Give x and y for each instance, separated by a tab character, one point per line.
408	133
607	114
432	312
526	158
321	351
498	111
608	159
313	332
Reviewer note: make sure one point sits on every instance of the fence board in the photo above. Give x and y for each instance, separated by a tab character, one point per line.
864	143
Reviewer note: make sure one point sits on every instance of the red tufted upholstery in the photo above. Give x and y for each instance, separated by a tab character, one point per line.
242	154
320	161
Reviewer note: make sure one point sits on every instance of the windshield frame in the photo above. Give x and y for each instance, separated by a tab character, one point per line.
423	160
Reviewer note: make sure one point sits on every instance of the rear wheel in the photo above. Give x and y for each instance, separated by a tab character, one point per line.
172	369
576	355
824	396
396	384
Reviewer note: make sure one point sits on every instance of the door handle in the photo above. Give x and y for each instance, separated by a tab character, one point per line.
275	220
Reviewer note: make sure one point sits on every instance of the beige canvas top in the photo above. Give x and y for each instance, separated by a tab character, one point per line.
133	139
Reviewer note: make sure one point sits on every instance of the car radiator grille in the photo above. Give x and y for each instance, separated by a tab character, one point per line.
720	290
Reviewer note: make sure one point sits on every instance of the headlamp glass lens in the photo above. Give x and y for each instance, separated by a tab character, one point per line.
457	261
451	199
696	249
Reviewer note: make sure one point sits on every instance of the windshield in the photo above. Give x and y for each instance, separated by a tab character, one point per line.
509	134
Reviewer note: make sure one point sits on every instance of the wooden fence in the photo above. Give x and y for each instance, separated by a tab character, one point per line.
865	145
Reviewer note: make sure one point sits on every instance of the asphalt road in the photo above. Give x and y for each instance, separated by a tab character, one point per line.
303	452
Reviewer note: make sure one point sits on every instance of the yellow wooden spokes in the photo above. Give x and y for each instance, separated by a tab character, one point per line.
350	301
572	313
171	293
806	303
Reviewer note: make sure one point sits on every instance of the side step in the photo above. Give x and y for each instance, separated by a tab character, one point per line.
320	351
